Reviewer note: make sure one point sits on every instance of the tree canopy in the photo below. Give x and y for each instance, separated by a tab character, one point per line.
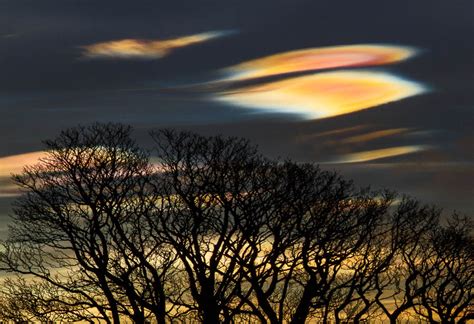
212	231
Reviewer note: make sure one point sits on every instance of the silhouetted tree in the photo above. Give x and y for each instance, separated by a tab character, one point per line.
81	225
446	272
393	284
215	232
202	184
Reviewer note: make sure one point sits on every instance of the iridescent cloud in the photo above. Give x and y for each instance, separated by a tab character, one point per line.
333	132
145	49
319	58
14	164
324	95
366	156
373	135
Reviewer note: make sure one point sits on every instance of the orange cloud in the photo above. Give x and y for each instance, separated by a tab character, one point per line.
16	163
366	156
333	132
12	165
319	58
324	95
374	135
144	49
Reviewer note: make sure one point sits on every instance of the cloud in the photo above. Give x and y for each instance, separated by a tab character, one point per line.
373	135
12	35
329	133
12	165
145	49
16	163
366	156
324	95
317	59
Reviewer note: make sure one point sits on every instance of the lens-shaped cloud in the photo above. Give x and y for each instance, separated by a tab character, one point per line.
324	95
145	49
372	155
14	164
373	135
319	58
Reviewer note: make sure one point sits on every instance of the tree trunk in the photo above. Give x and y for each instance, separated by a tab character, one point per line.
302	311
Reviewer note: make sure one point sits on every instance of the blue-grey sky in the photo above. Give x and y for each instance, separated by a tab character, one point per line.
65	62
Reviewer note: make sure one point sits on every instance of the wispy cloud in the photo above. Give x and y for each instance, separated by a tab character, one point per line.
329	133
372	155
319	58
324	95
145	49
373	135
11	35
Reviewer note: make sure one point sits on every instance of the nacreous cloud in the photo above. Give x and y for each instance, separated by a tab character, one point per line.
13	165
372	155
145	49
16	163
319	58
324	95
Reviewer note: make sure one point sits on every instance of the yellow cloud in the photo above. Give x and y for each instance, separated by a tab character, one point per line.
324	95
319	58
144	49
366	156
16	163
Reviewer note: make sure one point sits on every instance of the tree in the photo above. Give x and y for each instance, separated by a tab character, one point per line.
394	283
447	272
82	222
252	232
202	183
215	232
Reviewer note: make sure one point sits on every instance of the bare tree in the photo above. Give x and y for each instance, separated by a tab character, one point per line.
202	183
447	273
305	249
395	288
81	225
25	301
215	232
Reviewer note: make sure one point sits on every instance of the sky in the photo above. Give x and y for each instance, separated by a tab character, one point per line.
381	91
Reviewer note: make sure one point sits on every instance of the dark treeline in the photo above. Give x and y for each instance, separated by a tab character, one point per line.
214	232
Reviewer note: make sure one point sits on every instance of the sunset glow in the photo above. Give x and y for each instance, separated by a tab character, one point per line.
324	94
319	58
